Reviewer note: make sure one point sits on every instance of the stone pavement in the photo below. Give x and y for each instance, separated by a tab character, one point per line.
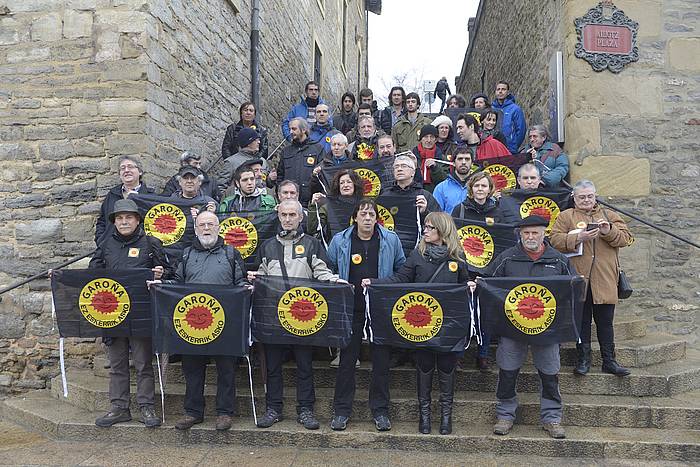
18	446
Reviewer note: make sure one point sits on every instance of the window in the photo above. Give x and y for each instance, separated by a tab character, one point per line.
317	63
343	45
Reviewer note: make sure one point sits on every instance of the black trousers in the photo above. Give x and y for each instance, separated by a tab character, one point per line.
274	357
345	377
194	368
603	315
426	359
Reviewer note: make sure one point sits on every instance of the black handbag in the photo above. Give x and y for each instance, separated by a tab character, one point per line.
624	288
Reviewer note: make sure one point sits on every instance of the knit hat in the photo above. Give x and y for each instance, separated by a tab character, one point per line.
428	130
247	136
442	119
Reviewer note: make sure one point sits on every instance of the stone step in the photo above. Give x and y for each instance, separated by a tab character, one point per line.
661	379
680	412
40	411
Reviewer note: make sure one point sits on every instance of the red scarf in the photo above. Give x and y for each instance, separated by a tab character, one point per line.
426	154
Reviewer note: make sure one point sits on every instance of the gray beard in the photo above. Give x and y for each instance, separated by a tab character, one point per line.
206	242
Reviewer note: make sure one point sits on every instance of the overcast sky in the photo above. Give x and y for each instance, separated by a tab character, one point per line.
423	39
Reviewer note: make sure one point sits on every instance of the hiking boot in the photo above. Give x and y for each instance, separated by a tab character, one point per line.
583	359
382	423
306	418
270	418
149	417
502	426
187	422
223	422
339	422
482	364
555	430
112	417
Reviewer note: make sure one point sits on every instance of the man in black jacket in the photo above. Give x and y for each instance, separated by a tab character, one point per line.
129	247
190	159
532	257
299	159
209	261
130	173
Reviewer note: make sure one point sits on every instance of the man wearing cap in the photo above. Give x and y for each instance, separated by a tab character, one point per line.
427	153
406	131
208	185
532	257
129	247
130	175
249	144
190	180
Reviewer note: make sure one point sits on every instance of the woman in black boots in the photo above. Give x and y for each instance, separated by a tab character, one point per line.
438	258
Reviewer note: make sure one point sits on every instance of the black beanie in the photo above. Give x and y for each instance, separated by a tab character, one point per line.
428	130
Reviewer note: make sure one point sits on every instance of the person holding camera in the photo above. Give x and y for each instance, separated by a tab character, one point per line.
593	235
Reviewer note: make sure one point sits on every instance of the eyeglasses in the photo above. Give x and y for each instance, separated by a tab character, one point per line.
428	227
127	167
402	166
585	197
207	225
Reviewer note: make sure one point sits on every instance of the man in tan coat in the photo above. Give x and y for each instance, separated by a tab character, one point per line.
594	235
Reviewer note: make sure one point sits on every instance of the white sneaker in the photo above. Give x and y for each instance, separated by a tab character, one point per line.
335	363
357	364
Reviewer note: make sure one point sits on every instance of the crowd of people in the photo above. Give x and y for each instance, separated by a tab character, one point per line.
434	161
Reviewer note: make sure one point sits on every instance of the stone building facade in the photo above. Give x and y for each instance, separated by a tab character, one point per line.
83	82
635	133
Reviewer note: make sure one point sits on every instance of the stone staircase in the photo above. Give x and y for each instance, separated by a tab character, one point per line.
652	415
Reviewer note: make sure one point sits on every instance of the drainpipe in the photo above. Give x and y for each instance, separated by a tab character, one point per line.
255	55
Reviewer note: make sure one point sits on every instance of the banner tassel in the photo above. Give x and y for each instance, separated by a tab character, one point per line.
420	230
53	314
62	361
472	325
325	189
320	228
252	395
368	319
478	315
160	384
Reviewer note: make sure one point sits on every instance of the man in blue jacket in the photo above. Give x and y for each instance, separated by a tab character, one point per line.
453	190
513	125
323	129
363	250
306	108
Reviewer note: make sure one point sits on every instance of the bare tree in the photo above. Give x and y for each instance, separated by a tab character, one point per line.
410	81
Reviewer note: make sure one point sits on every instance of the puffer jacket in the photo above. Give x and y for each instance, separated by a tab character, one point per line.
222	264
471	210
299	109
302	254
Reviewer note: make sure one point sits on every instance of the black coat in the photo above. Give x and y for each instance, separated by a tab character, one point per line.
137	251
385	119
104	228
471	210
230	144
418	268
514	262
415	189
297	164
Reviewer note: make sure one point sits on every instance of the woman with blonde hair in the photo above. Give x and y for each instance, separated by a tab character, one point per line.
438	258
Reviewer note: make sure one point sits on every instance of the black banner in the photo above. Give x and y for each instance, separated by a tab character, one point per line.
339	214
302	312
374	174
538	310
169	220
246	231
102	302
483	242
200	319
544	203
504	170
432	316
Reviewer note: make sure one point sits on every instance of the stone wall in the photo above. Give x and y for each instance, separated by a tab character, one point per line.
83	82
513	41
635	134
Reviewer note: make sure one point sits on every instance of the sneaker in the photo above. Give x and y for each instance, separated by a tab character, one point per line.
502	426
357	363
339	422
382	423
187	422
335	363
112	417
223	422
555	430
270	418
306	418
149	417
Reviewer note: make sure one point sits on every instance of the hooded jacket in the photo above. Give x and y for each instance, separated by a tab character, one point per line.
450	192
103	227
321	134
230	144
297	164
471	210
513	124
222	264
138	250
555	162
231	164
300	109
259	200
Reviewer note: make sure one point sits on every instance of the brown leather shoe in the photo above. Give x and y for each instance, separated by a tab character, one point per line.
223	422
187	422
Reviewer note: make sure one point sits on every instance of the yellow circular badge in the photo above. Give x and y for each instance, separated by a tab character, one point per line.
166	222
365	151
453	266
417	316
240	233
302	311
385	218
503	176
531	308
371	183
540	206
199	318
310	160
104	303
299	249
581	225
356	258
477	244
